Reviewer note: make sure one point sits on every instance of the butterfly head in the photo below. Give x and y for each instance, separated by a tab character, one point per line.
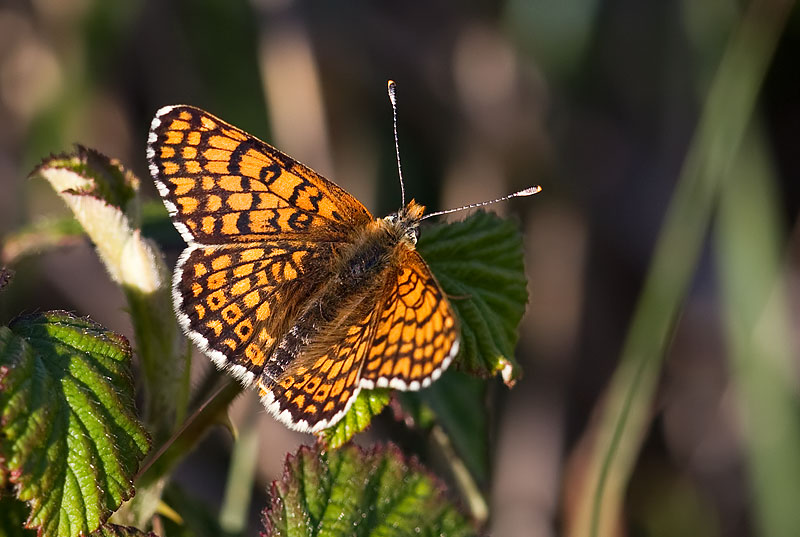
405	222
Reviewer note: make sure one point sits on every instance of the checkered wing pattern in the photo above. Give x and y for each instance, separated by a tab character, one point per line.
416	334
222	185
236	301
317	389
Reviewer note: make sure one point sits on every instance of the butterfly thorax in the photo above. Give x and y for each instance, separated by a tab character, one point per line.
361	269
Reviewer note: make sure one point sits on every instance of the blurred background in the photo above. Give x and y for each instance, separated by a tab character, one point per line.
598	101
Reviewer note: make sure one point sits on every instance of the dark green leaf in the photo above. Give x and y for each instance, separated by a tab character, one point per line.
459	403
479	263
68	431
367	405
352	492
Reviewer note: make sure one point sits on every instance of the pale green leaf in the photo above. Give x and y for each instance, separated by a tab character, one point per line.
368	404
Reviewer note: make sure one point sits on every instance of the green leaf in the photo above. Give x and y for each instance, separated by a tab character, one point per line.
354	492
367	405
479	263
103	198
68	432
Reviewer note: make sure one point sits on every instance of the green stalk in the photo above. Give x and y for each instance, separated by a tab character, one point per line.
725	117
749	242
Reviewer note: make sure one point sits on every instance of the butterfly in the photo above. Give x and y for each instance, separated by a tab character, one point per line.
287	281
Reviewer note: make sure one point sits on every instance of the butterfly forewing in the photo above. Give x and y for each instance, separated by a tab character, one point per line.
222	185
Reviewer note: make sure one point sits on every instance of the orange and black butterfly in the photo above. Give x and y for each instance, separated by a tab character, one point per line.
288	281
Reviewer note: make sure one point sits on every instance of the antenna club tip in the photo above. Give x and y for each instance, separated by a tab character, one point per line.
392	87
530	191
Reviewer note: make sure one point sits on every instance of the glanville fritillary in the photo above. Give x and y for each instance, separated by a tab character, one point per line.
288	282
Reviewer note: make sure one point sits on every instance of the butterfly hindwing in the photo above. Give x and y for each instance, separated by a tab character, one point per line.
236	301
403	334
416	336
222	185
321	383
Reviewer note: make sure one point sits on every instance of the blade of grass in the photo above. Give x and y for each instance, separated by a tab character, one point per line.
626	410
748	240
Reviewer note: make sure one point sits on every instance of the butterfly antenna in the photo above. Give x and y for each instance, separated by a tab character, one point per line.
530	191
393	99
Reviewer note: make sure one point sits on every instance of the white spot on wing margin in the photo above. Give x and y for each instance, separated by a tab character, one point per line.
399	384
160	185
285	416
220	360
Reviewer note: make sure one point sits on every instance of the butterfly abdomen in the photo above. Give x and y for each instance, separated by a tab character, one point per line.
359	274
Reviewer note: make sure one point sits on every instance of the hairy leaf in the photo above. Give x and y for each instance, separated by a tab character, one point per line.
103	197
68	433
351	492
479	263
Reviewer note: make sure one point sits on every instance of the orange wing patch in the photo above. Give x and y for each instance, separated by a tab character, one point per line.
417	333
201	164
